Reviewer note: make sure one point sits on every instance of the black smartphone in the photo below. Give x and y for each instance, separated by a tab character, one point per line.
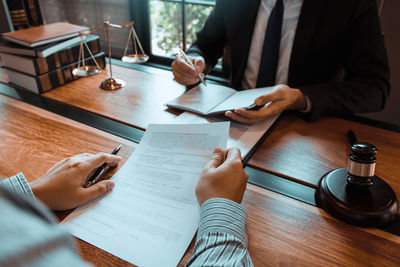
253	107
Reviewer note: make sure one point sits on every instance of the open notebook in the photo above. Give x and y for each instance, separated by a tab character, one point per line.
216	99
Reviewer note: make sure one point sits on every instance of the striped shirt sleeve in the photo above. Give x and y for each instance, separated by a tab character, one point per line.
19	185
221	237
29	240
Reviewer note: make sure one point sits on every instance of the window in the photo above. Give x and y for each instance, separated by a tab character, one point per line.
162	25
92	13
174	23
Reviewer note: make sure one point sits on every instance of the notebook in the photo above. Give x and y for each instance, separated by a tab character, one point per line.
215	99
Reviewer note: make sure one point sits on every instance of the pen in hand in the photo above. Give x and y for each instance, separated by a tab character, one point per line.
100	170
185	57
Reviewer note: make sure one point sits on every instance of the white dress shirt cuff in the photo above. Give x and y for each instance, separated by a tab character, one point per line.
309	106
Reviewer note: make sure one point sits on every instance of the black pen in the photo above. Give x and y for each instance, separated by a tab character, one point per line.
352	137
99	171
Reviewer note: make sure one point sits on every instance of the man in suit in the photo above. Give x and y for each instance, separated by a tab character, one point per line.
325	57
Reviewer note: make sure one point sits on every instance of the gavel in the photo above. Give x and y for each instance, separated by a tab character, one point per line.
355	194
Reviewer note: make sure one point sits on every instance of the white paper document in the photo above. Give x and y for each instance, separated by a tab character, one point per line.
242	136
152	214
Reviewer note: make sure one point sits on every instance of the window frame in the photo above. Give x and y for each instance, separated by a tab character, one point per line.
140	13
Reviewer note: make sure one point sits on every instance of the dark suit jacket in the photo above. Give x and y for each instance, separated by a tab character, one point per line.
331	35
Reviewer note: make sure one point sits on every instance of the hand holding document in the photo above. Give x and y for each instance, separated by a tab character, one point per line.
151	216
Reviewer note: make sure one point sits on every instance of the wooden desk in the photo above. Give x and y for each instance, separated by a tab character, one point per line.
281	231
139	103
32	139
296	150
303	151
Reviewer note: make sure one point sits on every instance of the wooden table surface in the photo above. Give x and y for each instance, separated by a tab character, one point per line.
33	139
296	149
304	151
281	231
137	104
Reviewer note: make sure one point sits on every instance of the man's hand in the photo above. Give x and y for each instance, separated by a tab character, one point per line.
222	178
186	74
281	99
62	187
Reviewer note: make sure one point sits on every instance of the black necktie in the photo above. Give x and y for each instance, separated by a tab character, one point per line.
270	52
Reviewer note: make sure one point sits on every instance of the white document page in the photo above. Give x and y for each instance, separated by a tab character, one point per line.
242	99
242	136
152	214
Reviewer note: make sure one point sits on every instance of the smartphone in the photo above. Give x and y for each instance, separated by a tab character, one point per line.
253	107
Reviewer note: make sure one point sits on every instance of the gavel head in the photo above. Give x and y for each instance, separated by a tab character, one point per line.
361	164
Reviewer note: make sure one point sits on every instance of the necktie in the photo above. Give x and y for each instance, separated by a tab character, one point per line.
270	52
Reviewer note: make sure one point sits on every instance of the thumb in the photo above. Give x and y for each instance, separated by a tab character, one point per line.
233	155
98	189
198	69
264	99
199	64
217	158
97	160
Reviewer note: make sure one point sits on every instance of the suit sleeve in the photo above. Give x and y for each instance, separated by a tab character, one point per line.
211	39
365	86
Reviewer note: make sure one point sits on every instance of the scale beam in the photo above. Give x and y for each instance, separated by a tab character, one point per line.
137	57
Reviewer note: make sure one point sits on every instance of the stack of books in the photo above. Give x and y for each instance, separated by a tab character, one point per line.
42	58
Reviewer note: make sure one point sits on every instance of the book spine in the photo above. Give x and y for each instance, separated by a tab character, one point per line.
18	14
63	58
33	12
62	76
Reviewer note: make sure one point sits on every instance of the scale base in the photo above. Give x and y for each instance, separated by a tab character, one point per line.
369	206
112	84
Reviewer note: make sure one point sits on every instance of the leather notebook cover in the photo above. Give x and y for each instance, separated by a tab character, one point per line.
44	34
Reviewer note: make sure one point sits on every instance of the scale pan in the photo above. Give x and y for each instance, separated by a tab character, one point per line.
135	58
86	71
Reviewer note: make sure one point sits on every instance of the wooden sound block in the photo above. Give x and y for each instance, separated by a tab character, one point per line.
370	206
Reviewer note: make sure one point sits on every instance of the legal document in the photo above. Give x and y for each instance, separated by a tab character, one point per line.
242	136
152	214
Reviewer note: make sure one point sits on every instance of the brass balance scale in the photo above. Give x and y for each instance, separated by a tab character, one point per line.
110	83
